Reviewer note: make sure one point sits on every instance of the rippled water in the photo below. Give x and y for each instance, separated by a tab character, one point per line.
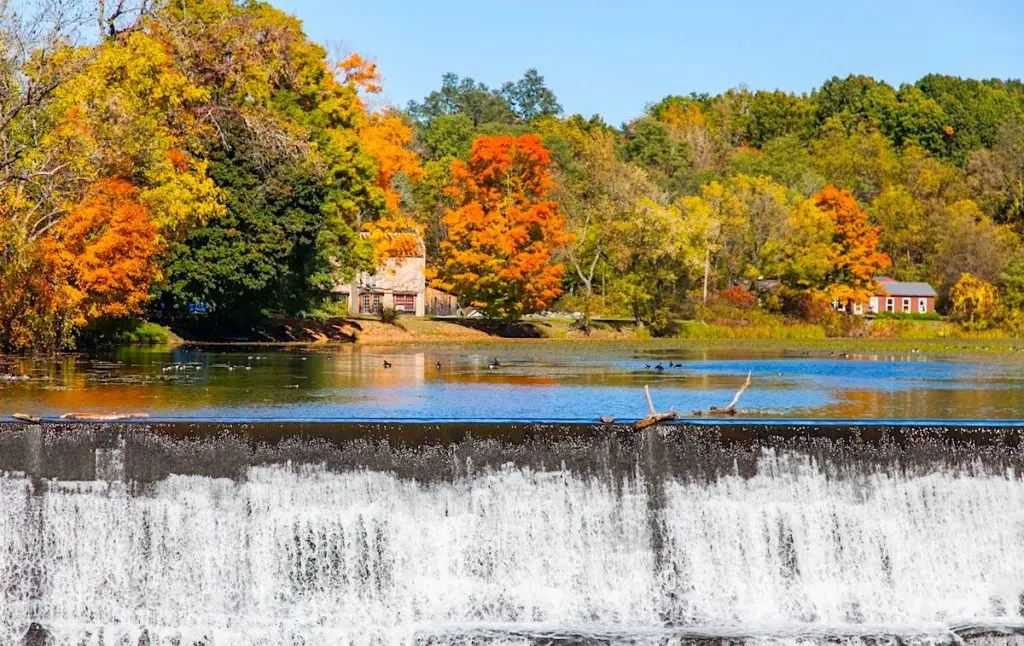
535	380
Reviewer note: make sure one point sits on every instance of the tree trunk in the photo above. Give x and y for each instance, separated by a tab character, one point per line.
707	271
588	296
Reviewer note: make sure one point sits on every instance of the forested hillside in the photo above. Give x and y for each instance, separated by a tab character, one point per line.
203	163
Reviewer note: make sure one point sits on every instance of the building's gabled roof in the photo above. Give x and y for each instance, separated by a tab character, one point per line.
892	287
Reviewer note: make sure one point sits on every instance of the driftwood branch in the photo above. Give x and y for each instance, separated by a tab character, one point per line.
731	408
653	416
736	397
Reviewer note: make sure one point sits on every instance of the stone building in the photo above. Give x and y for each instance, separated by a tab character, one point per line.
399	283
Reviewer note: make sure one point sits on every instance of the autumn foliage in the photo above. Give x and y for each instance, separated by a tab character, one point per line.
857	259
98	262
388	139
504	228
395	236
104	253
33	312
739	297
206	164
974	302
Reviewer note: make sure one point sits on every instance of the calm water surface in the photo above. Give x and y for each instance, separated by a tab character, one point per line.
535	381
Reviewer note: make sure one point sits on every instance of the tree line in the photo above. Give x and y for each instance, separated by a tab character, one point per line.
204	164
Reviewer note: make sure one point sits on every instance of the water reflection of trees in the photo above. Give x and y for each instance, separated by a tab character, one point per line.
937	403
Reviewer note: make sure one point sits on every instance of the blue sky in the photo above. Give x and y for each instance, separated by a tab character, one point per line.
613	58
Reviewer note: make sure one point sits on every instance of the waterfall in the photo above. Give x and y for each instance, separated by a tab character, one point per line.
796	551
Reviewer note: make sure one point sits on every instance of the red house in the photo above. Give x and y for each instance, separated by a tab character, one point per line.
897	296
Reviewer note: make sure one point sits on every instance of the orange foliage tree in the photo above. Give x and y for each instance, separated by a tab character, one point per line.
33	312
387	137
395	236
104	253
857	259
361	73
504	229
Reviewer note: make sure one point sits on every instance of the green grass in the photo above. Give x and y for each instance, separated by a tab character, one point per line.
929	329
908	316
145	333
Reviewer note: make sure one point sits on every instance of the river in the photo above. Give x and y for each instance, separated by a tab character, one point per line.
532	381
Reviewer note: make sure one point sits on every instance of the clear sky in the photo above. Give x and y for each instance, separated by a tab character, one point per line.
613	58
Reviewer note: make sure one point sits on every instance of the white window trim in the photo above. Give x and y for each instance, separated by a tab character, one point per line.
906	303
890	304
922	306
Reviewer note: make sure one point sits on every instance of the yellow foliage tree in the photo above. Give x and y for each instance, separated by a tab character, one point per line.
130	113
974	302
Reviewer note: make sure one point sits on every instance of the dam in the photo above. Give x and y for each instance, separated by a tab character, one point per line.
470	533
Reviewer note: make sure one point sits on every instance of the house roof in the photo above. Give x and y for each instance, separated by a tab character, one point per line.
892	287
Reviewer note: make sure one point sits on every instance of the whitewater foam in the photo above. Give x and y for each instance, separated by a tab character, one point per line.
299	554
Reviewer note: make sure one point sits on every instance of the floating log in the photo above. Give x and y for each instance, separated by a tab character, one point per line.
653	416
606	419
25	417
102	417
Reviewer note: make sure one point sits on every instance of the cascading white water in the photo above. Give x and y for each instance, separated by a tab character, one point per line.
306	556
792	546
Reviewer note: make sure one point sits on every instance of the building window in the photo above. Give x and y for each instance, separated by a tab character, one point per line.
922	305
405	303
369	303
906	304
890	305
858	309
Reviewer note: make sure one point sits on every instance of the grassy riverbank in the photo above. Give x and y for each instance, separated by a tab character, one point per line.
878	334
412	329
